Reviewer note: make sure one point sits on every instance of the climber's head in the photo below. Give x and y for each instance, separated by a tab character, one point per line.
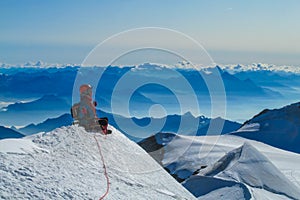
86	90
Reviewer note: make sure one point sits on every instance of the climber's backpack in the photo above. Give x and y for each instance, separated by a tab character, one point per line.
75	111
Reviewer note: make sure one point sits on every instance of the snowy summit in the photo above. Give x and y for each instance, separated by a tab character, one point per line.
66	164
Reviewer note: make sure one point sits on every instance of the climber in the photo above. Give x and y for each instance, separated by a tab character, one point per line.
84	112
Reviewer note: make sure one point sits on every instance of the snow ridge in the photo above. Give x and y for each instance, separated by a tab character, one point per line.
227	166
66	164
247	165
278	127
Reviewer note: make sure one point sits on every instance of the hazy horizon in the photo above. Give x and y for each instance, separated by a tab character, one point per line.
231	32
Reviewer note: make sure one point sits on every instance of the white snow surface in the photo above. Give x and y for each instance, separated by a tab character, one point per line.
247	165
224	193
268	172
250	127
278	127
274	120
18	146
66	164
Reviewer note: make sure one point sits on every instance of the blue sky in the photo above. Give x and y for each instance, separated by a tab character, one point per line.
232	31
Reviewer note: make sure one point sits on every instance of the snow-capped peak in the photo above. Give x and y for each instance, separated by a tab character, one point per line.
247	165
66	164
247	172
277	127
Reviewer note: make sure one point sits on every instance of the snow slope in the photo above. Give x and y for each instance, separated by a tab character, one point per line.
279	127
66	164
247	165
227	167
18	146
205	187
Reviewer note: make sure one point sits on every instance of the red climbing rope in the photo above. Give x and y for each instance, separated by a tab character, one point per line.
105	170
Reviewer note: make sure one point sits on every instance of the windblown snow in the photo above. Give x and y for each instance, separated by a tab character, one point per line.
66	164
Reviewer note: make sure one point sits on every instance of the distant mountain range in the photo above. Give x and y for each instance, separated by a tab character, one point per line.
172	124
36	82
9	133
191	125
278	127
45	103
22	113
47	125
33	82
51	88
